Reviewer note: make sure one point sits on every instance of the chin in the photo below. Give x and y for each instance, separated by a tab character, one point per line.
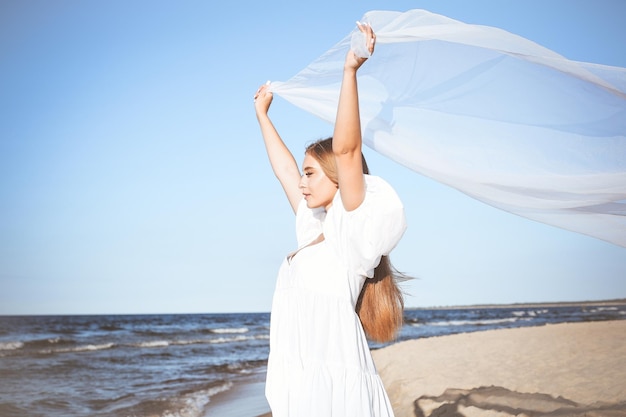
313	204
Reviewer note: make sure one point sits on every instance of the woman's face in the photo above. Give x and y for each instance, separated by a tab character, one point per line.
317	188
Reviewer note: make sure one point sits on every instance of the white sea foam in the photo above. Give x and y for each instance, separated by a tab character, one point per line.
193	404
83	348
531	313
230	339
473	322
220	340
153	344
223	339
602	309
217	340
188	342
231	330
11	345
240	338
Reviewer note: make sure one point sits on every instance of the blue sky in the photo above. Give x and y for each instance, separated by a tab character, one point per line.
133	178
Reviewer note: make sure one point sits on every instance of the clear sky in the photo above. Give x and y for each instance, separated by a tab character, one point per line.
133	178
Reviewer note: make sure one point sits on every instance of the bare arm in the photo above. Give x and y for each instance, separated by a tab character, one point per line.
347	140
282	161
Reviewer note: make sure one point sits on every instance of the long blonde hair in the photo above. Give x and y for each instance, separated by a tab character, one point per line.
380	305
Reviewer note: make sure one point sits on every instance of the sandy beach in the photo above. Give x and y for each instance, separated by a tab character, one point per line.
571	369
579	368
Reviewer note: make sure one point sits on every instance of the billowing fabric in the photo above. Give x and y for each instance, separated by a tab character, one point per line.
320	363
494	115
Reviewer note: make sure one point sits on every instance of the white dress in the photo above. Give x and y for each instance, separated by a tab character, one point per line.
320	363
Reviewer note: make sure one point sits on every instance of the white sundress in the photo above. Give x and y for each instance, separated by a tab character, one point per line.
320	364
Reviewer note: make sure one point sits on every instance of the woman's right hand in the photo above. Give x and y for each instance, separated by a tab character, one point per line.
263	99
353	61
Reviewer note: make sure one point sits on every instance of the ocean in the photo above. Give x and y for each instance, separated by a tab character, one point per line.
173	365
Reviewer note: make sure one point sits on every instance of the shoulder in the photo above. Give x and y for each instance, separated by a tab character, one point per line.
376	185
379	194
373	229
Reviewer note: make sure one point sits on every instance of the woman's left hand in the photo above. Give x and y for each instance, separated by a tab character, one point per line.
263	99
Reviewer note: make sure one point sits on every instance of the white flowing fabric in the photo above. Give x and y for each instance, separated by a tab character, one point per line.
494	115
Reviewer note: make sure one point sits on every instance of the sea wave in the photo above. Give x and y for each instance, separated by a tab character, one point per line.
61	346
230	330
217	340
531	313
191	404
152	344
599	309
234	339
82	348
45	342
194	403
230	339
534	313
11	345
483	322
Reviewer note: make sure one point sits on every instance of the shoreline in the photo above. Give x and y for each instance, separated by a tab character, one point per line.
245	399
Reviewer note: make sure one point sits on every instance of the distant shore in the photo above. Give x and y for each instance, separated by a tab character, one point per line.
620	301
599	303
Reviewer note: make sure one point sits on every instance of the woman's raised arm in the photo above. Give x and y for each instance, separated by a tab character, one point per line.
282	161
347	135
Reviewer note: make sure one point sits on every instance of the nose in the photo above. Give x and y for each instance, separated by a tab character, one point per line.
302	182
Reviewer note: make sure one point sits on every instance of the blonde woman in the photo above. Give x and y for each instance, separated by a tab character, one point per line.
338	285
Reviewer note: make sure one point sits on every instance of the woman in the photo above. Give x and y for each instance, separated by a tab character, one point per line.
346	223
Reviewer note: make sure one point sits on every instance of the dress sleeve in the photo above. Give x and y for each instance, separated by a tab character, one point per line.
363	235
